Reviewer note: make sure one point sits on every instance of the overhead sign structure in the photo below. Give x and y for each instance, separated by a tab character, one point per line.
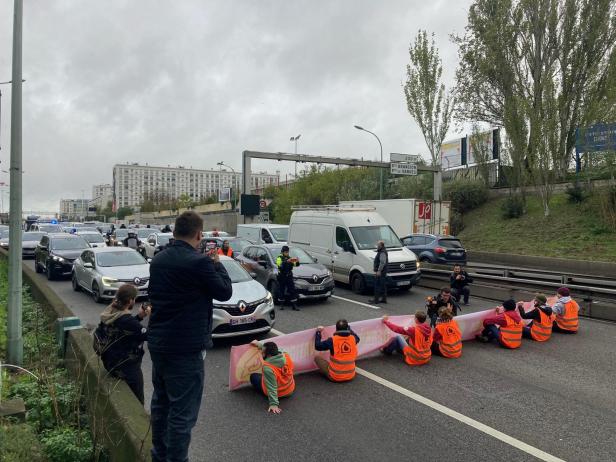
408	158
399	168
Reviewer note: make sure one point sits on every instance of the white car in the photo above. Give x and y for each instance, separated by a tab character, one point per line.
155	243
94	238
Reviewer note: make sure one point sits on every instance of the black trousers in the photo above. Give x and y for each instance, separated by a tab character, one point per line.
380	287
131	373
458	293
286	291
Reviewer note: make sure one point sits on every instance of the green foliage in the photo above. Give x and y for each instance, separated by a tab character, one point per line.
64	444
465	195
123	212
19	443
512	207
576	195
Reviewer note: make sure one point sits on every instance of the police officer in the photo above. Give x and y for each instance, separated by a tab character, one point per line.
286	285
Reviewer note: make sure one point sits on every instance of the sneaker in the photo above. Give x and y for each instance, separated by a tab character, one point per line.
295	308
385	352
482	338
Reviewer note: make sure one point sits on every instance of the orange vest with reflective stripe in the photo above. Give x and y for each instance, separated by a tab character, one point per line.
511	334
541	330
229	253
417	352
569	320
450	345
284	377
342	362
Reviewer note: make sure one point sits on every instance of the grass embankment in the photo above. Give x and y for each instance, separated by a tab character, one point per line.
573	231
57	424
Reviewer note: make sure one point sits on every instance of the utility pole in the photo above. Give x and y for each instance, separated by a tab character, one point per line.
15	340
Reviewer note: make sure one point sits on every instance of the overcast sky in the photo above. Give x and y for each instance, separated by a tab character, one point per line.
196	82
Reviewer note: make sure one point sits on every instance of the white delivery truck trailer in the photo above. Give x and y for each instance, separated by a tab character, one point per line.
410	216
344	240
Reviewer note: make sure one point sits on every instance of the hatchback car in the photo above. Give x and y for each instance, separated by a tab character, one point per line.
155	243
250	310
312	280
94	238
102	271
56	253
445	250
46	228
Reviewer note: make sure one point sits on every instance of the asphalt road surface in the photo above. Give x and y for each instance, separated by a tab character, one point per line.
548	401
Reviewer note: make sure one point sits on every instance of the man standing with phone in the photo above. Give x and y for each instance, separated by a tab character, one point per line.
183	283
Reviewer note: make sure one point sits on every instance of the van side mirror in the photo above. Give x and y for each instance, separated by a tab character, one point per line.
88	265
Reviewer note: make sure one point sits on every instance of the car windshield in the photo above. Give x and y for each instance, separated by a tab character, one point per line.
238	244
31	236
143	233
280	234
119	258
366	237
121	233
93	237
294	252
450	243
82	229
75	243
50	228
163	240
235	271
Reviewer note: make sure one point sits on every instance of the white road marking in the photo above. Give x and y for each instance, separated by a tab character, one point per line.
522	446
374	307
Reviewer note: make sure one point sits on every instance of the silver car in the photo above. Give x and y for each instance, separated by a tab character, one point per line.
94	238
29	241
102	271
250	310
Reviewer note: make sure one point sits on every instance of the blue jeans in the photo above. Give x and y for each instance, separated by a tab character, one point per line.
526	331
255	381
178	388
493	333
395	344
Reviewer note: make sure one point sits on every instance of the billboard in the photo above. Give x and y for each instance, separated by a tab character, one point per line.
451	153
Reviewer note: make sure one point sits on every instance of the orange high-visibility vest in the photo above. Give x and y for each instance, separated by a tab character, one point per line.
222	252
284	377
342	362
541	330
511	334
569	320
450	345
417	352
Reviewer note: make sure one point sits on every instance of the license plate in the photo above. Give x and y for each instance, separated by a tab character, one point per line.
315	288
403	283
456	254
238	321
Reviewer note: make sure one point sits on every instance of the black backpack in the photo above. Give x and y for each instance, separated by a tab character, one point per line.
103	337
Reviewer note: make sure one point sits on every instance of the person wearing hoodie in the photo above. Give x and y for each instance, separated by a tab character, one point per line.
505	326
417	350
540	328
125	336
566	311
342	347
447	340
276	378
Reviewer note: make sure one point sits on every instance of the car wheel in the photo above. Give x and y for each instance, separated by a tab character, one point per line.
37	267
358	284
75	283
96	293
49	271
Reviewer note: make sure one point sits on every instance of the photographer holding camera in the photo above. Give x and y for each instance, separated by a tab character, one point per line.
459	281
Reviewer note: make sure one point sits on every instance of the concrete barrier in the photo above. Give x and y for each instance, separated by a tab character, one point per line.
592	268
118	419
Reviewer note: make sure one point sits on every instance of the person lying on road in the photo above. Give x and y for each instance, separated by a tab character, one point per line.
276	378
342	347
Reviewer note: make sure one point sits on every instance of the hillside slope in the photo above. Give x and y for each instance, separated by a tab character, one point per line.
574	231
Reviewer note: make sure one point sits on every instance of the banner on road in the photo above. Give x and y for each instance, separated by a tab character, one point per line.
373	334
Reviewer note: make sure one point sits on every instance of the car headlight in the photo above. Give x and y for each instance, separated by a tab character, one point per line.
108	281
329	273
268	297
417	263
4	244
58	259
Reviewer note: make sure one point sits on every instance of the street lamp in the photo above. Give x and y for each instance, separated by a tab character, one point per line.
222	164
381	146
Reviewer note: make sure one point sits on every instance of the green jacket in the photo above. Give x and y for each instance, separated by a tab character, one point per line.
270	378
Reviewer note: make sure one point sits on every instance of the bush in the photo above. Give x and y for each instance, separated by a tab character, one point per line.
19	443
456	223
512	207
67	444
465	195
576	195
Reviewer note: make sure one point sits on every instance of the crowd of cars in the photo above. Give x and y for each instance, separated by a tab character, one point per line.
95	259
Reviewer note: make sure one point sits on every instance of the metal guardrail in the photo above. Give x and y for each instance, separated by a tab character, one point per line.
532	279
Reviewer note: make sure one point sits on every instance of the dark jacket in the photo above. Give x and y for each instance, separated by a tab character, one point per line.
126	337
380	261
182	285
534	313
328	344
285	267
438	302
459	284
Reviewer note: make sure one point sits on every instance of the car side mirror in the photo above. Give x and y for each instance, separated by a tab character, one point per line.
88	265
262	263
315	259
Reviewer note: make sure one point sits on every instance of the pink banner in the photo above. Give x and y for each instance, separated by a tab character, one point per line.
373	334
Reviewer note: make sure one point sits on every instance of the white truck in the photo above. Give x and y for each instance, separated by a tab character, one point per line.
410	216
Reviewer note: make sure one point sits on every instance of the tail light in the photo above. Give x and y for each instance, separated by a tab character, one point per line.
439	250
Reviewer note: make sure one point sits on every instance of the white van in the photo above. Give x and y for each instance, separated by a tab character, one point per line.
344	240
263	233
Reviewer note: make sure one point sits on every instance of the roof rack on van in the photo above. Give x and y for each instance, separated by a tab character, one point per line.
334	208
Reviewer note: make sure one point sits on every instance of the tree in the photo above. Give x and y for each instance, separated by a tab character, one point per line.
479	144
184	201
123	212
426	99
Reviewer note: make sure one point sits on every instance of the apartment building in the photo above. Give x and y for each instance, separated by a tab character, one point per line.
133	182
102	194
74	208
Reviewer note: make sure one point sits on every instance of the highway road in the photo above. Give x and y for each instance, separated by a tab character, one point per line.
552	401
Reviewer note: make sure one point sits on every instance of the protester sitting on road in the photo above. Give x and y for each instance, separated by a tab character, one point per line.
447	341
226	249
459	281
417	350
342	347
443	299
540	328
276	378
123	337
286	285
505	326
566	310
